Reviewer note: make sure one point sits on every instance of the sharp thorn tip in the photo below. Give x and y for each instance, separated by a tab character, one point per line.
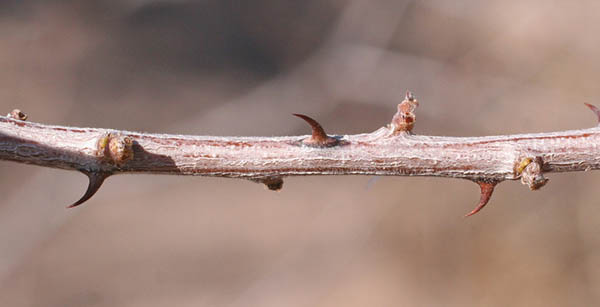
319	137
96	180
594	109
487	188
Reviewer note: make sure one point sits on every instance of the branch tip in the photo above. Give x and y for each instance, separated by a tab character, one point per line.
487	188
319	138
96	180
595	110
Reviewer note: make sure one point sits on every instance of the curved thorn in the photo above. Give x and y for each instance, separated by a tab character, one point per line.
96	180
318	134
487	188
594	109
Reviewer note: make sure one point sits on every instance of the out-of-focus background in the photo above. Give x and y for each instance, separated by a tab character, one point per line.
223	68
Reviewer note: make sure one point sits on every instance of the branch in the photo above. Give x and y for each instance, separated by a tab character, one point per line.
390	151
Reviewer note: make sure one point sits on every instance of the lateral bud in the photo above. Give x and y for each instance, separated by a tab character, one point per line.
115	148
17	114
271	183
531	173
404	119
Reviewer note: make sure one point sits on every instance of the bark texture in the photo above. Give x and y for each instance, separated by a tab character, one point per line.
389	151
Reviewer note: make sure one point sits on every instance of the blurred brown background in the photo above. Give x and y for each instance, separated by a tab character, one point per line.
226	68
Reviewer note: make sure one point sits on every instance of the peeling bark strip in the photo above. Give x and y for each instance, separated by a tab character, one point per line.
390	151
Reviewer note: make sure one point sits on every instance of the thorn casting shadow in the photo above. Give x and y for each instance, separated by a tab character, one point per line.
96	180
487	188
